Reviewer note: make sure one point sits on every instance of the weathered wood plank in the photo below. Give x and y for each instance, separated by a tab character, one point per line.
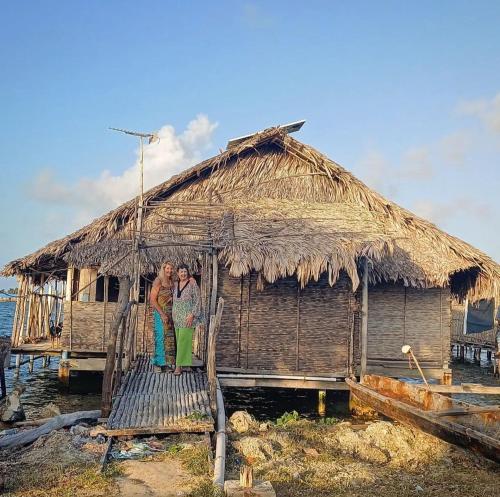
198	427
160	402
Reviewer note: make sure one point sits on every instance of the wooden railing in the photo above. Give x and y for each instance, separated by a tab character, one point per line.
38	308
485	339
213	331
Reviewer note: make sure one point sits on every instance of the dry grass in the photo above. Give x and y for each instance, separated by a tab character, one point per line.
397	462
53	467
298	212
73	481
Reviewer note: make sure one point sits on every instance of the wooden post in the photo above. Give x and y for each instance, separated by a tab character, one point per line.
19	315
2	381
220	444
123	334
106	285
29	306
364	319
213	331
246	476
107	383
69	283
215	273
322	402
16	312
61	302
447	378
130	330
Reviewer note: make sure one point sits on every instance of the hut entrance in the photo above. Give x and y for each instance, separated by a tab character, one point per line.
283	329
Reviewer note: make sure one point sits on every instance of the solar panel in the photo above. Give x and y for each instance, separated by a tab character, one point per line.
287	128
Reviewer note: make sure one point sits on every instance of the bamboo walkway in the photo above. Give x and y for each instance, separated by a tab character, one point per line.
149	402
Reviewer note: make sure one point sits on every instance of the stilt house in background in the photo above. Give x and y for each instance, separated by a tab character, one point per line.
321	276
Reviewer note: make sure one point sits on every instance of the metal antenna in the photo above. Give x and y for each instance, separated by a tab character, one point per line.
136	263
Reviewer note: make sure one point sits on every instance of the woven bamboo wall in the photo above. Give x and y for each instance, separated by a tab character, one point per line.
325	326
272	343
398	315
230	330
88	320
284	329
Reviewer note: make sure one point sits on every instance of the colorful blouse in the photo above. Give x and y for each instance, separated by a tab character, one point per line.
186	300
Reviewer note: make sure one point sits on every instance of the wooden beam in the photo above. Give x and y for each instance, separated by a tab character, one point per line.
364	318
297	375
465	411
182	427
405	372
281	383
466	388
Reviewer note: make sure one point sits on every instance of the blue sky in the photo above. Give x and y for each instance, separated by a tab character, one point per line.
406	95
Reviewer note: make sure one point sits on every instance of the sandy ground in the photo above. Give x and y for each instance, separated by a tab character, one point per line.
153	479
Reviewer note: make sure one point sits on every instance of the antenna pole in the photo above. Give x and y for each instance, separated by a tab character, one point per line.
136	261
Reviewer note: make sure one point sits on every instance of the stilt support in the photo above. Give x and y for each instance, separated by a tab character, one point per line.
447	377
321	402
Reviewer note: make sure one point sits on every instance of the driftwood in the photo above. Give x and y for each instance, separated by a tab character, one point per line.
56	423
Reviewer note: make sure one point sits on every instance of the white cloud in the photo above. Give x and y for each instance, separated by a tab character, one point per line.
377	172
416	164
455	147
441	213
383	176
487	110
91	197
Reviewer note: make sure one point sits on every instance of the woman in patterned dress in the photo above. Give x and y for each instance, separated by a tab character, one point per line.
161	301
186	313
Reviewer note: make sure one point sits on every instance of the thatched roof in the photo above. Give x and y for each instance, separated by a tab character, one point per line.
279	207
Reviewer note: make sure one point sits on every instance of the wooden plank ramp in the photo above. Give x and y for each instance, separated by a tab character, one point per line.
150	402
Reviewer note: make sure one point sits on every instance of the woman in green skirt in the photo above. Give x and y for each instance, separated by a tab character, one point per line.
186	313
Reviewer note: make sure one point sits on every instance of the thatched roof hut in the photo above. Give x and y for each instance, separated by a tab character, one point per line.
294	234
288	210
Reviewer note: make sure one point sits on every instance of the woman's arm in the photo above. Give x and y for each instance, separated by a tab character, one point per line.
153	298
195	303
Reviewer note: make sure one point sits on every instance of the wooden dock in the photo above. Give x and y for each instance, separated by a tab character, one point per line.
485	340
150	403
46	347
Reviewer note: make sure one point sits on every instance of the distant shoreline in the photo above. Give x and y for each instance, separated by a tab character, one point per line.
8	299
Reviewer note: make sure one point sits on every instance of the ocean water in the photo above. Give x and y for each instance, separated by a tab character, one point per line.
43	386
